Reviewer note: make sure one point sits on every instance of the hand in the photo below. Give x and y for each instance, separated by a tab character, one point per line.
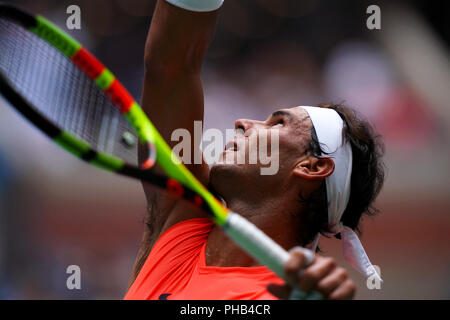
322	276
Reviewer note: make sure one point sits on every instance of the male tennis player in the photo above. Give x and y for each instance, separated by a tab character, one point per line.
329	175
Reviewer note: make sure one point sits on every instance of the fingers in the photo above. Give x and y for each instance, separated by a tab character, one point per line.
332	281
298	260
318	270
317	274
346	290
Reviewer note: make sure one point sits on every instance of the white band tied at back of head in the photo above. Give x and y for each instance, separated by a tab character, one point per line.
328	126
197	5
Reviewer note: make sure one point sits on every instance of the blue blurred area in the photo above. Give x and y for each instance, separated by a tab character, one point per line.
6	173
6	176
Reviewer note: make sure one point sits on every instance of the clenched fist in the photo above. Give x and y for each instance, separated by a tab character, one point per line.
321	276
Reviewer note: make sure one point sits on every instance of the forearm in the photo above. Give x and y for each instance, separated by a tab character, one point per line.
172	94
178	39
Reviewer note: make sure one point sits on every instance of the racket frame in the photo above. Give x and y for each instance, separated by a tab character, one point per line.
181	182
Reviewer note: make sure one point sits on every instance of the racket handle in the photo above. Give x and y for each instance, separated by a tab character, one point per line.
258	244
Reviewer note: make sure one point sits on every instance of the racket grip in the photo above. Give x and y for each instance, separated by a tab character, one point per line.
257	243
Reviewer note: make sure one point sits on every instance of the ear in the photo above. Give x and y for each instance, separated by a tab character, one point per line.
313	168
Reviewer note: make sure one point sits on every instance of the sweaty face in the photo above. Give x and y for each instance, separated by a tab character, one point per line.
283	138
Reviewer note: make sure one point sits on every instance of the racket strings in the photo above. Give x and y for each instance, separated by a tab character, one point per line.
63	93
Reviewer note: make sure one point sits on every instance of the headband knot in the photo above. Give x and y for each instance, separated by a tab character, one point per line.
334	229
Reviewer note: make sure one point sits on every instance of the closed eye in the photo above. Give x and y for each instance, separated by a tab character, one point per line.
279	122
279	118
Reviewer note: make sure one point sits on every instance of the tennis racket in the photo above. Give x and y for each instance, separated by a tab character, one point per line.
62	89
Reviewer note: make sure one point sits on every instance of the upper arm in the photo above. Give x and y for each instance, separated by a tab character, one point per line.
173	98
173	94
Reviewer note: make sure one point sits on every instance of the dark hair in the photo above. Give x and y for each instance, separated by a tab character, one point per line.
366	181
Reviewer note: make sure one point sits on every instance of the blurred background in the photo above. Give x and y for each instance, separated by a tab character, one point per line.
56	211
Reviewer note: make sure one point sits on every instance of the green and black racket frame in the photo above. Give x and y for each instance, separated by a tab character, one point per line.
63	90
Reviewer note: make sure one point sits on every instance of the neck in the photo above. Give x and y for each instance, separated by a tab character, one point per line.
272	216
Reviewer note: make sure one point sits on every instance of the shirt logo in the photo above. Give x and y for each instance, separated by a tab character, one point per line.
164	296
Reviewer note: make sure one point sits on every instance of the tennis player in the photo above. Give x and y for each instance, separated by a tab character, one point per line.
330	172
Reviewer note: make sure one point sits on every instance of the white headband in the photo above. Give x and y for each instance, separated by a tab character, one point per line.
328	126
197	5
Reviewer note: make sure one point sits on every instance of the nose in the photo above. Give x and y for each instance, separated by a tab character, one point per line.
245	124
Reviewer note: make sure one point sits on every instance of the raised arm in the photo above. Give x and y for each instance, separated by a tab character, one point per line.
174	52
173	98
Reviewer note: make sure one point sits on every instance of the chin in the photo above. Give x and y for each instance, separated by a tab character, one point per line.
221	168
222	173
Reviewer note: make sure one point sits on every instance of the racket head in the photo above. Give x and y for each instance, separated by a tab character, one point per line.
75	59
68	94
86	68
